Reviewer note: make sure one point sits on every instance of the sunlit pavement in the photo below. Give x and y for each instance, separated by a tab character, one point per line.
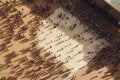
65	37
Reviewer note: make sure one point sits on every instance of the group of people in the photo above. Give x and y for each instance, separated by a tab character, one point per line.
44	66
65	30
108	56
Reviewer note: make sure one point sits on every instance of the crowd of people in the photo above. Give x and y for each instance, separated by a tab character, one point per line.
65	29
108	56
13	28
42	65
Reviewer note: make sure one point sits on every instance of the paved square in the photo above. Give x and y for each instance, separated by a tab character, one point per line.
68	39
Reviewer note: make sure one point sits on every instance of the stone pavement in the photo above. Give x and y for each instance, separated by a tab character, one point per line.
65	37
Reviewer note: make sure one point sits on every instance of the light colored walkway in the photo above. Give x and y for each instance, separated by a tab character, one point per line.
61	41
